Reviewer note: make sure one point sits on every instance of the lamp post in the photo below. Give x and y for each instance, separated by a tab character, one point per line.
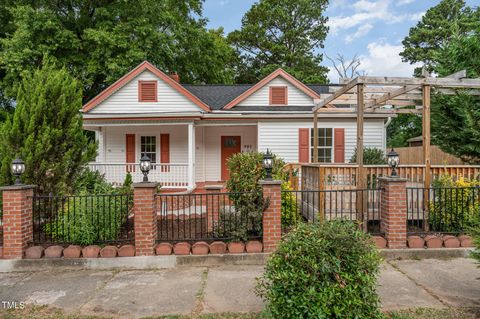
393	161
145	166
18	168
268	165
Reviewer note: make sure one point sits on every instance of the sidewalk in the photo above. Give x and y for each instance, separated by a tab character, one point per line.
185	290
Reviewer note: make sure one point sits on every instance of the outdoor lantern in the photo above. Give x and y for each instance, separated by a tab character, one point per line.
18	168
145	166
393	161
268	164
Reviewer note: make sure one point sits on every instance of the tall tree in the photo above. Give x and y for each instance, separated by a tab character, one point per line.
456	119
99	41
441	23
402	128
46	131
282	33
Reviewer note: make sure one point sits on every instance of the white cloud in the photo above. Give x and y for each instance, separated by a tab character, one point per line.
363	30
404	2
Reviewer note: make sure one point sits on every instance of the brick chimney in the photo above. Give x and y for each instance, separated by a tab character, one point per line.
175	77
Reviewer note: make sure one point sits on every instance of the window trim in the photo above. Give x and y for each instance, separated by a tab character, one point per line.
331	147
284	87
156	147
140	96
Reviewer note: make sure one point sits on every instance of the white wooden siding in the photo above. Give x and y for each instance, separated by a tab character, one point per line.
281	137
199	154
262	96
125	100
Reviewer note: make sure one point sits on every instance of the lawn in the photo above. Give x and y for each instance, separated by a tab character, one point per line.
41	312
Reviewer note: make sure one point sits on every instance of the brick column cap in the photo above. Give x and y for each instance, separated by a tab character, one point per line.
270	182
145	185
392	179
16	187
213	187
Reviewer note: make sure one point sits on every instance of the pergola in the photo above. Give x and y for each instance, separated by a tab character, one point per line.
390	95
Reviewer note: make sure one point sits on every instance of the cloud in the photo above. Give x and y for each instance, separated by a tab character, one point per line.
363	30
403	2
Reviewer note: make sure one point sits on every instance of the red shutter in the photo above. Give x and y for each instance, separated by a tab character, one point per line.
165	150
147	91
339	147
130	152
278	95
303	145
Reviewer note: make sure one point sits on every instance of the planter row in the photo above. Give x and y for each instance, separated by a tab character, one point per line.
202	248
431	241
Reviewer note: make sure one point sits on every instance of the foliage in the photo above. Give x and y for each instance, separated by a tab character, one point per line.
322	271
371	156
46	132
441	23
456	118
402	128
454	206
290	210
99	41
475	232
282	33
94	214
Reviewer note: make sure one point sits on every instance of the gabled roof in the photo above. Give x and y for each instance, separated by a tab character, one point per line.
279	72
145	65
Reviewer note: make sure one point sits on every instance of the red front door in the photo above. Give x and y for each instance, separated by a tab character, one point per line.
230	145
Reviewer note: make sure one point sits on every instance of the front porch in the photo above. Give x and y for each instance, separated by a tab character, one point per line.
184	154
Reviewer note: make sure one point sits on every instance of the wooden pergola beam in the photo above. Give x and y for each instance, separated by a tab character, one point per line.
445	82
390	95
350	85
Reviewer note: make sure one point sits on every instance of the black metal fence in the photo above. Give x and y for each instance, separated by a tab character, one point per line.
361	205
442	209
208	217
84	220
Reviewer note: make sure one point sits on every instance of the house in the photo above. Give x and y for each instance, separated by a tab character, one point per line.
189	131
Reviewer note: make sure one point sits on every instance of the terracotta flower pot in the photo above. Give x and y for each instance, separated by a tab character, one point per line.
254	246
451	242
91	251
200	248
182	248
218	247
433	241
108	252
415	242
466	241
380	242
164	249
126	251
34	252
53	251
236	247
72	251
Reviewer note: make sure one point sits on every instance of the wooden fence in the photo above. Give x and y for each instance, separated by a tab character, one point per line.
414	154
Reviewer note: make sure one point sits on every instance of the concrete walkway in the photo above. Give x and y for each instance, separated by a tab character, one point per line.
187	290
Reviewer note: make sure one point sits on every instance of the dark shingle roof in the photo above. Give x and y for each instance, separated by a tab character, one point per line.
219	95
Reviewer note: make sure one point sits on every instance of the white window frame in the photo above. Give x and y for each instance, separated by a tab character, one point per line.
156	138
331	147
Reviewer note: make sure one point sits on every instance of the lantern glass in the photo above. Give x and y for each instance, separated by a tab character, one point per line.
18	168
268	164
145	164
393	161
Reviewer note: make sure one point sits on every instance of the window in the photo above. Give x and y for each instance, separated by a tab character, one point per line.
148	146
278	95
147	91
325	145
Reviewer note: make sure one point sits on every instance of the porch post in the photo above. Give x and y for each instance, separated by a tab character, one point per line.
191	155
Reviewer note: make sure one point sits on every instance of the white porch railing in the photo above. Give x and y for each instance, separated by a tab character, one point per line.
168	175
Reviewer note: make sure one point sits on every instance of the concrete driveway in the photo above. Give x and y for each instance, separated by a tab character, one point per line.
189	290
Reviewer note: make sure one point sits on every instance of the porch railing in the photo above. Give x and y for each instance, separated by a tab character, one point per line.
168	175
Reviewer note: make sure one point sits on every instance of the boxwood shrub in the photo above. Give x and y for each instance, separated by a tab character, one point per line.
324	270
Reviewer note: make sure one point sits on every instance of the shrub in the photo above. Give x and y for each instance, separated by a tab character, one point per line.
455	206
371	156
322	271
290	212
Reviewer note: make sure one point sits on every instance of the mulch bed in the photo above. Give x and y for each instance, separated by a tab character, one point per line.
178	229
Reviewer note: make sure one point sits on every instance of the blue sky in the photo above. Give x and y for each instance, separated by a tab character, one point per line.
373	29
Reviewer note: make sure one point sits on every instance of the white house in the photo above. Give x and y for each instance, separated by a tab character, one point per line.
190	130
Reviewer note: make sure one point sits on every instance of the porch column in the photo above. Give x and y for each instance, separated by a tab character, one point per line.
191	156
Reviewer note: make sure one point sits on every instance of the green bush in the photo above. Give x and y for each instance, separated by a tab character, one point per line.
371	156
91	215
290	210
324	270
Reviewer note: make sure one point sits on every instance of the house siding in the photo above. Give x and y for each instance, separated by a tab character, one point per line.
262	97
281	137
125	100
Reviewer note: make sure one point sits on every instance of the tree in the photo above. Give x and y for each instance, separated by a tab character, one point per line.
371	156
346	69
456	119
282	33
99	41
46	131
402	128
448	19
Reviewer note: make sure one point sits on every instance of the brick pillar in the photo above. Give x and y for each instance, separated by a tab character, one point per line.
394	211
213	205
272	216
144	205
17	220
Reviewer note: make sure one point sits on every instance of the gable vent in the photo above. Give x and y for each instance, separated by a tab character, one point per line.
147	91
278	95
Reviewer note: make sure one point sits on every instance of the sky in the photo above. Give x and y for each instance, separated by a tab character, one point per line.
371	29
